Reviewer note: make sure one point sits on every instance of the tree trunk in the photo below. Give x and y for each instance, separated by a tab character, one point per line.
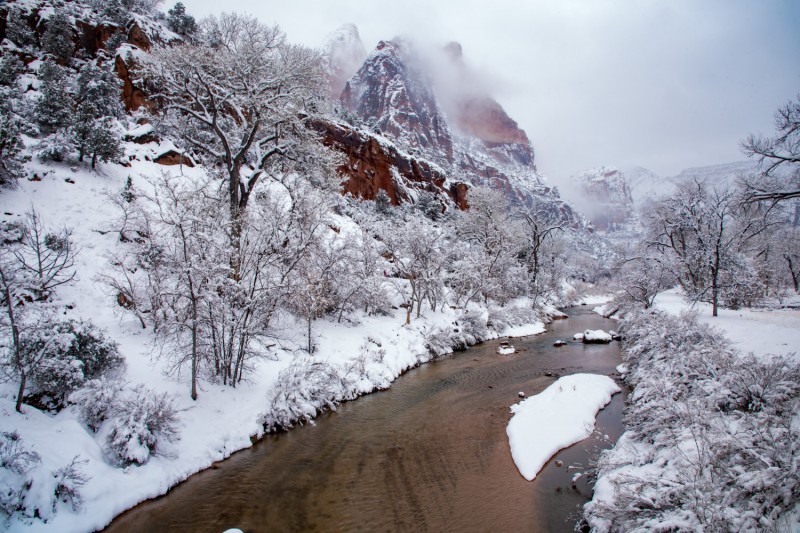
794	274
21	393
194	359
309	320
15	339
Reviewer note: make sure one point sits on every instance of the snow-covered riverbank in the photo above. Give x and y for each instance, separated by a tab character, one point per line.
712	436
367	352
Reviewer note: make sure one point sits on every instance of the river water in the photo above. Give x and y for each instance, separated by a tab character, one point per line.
429	454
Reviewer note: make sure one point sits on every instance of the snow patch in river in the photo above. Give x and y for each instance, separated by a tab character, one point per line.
558	417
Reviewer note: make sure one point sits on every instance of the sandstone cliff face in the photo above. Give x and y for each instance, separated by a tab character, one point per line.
607	198
342	55
392	94
434	108
373	164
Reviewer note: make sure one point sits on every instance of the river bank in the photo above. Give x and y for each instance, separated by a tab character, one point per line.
430	453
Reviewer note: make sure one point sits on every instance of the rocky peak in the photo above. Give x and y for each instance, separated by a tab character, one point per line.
343	53
394	95
605	196
473	111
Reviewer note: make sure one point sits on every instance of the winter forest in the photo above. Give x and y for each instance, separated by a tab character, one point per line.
211	236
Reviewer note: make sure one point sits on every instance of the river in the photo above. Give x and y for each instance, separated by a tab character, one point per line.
429	454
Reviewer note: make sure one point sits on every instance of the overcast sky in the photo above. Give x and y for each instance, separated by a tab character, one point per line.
660	84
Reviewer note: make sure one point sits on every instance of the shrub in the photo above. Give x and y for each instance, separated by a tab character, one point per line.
68	480
306	388
95	401
15	461
80	353
711	438
139	422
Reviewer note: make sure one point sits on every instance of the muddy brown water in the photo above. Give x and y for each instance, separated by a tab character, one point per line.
429	454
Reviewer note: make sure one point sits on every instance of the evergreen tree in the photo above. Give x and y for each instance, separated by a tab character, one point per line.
10	69
57	38
179	21
18	31
99	86
103	141
10	139
54	108
98	103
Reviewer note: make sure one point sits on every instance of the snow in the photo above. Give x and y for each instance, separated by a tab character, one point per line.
659	457
556	418
596	299
506	349
223	419
525	330
596	335
761	331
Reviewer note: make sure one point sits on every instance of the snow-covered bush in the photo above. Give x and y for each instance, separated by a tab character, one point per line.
469	329
15	461
68	480
27	491
306	388
96	399
139	421
502	318
711	442
82	352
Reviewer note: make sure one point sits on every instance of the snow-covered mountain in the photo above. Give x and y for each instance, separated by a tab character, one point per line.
604	196
343	53
422	104
646	185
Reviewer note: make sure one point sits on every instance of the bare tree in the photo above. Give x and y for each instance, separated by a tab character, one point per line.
240	97
539	226
30	270
779	178
710	236
47	259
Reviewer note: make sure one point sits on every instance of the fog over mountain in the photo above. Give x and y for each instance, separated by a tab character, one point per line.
663	85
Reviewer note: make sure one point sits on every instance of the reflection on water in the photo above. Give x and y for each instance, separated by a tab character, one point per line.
429	454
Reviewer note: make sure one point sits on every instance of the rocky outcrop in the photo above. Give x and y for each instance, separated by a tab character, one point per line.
342	55
433	108
372	163
605	197
393	94
132	94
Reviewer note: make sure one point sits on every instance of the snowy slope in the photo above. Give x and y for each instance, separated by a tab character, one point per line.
223	419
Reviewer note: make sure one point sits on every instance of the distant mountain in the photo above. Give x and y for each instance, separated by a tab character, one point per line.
646	185
604	196
343	53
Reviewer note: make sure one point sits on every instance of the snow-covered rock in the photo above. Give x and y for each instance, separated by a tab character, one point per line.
596	336
506	349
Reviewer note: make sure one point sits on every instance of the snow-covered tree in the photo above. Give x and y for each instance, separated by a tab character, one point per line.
18	30
30	270
97	97
238	97
179	21
183	230
712	240
55	105
11	123
538	229
779	177
492	231
417	261
57	37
